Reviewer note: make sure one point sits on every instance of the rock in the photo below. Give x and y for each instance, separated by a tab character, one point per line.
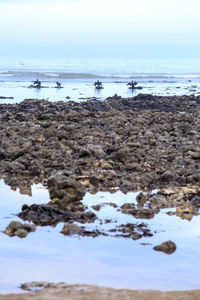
186	211
196	201
167	176
167	247
128	206
96	150
49	132
120	155
71	229
97	207
111	204
21	233
186	208
133	167
133	231
84	152
60	187
141	213
141	198
43	215
16	228
29	228
94	179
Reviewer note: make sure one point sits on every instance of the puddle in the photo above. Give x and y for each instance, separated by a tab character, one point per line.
47	255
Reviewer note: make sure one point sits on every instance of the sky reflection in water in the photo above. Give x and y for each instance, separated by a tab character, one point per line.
47	255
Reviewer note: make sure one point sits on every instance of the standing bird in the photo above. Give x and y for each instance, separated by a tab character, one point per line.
132	84
98	84
58	84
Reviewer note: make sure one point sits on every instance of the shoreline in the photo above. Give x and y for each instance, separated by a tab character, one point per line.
129	144
62	291
116	136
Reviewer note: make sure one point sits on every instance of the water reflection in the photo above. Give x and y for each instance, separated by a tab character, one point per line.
122	263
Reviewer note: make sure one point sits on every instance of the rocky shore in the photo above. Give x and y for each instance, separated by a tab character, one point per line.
139	143
62	291
136	144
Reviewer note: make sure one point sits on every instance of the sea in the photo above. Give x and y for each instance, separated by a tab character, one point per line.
77	76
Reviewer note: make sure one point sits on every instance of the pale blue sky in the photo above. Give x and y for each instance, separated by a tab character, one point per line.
100	28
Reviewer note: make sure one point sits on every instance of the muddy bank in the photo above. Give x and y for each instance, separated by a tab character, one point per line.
80	292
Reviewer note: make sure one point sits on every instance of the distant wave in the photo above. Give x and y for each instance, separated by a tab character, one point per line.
27	74
47	75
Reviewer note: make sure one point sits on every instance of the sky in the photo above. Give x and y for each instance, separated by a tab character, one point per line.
100	28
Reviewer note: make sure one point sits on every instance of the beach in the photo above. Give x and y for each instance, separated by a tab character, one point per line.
143	149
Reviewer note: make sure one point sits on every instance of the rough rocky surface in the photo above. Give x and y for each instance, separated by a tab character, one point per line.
144	142
133	144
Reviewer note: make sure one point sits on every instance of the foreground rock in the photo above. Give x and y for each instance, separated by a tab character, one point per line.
16	228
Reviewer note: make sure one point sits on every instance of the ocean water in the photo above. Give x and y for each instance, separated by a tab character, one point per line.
156	76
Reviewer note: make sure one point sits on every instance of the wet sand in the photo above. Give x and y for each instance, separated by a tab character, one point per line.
83	292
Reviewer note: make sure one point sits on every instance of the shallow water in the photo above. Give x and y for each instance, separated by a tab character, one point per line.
82	90
47	255
156	76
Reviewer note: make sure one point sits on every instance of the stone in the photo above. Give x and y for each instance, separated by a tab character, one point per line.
21	233
167	247
97	207
44	214
196	201
71	229
60	187
186	208
16	228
